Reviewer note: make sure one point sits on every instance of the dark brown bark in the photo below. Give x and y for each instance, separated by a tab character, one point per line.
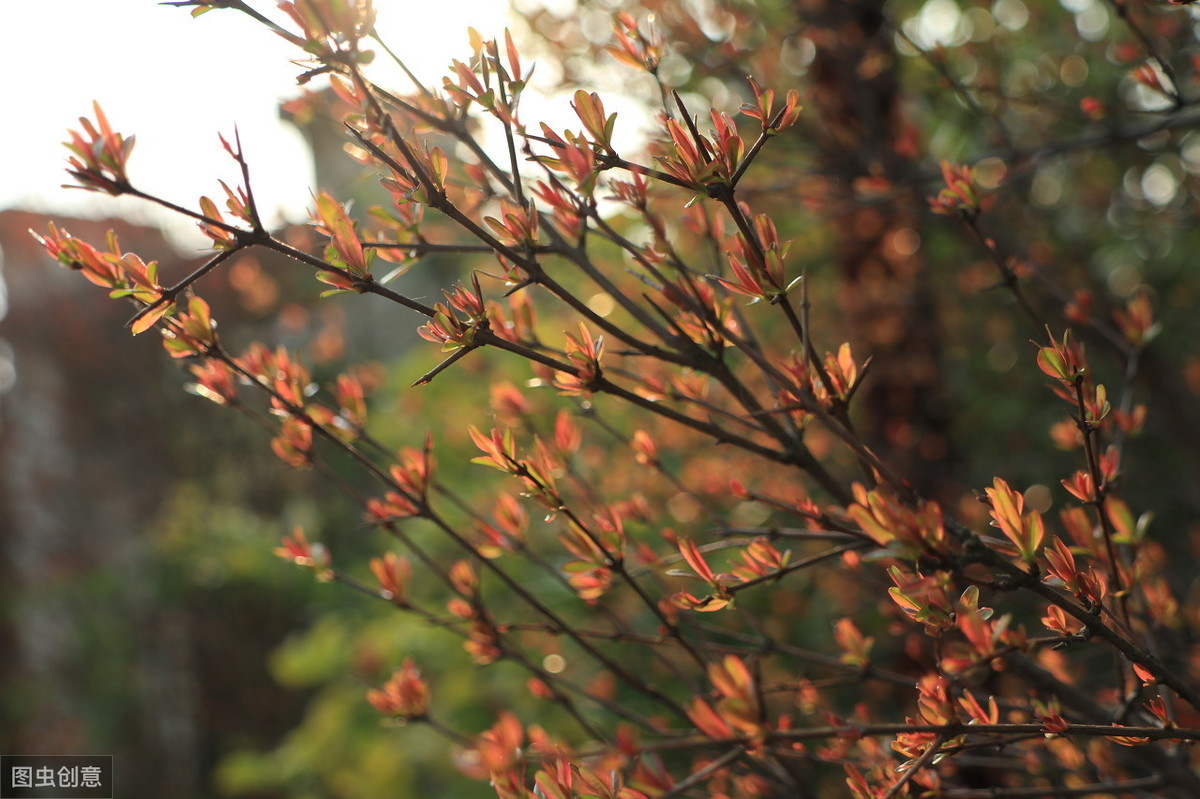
865	143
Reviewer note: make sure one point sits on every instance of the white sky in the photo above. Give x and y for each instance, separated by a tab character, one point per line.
176	82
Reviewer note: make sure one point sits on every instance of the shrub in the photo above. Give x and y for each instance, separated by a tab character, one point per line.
761	391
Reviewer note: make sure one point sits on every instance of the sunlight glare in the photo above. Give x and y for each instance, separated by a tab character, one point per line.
176	82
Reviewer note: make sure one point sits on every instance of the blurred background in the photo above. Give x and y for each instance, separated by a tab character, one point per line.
142	612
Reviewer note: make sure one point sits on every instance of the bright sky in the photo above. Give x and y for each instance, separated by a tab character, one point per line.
176	82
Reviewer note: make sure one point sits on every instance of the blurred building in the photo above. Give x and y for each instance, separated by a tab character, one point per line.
79	417
103	655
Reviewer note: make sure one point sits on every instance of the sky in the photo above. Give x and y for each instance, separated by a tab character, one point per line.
176	82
